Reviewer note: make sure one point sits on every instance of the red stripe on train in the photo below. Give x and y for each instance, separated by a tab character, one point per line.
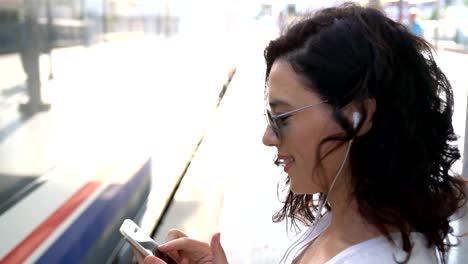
24	249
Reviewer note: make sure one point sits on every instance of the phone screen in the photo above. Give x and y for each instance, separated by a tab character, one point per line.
163	256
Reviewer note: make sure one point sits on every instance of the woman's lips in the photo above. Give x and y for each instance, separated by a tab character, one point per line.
285	161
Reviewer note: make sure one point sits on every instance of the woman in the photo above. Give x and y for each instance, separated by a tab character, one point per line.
361	117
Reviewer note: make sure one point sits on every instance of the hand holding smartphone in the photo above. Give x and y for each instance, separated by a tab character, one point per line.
141	241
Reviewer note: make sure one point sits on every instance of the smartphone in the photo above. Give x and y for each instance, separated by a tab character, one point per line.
142	241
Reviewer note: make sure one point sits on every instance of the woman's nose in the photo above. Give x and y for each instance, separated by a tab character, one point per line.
269	137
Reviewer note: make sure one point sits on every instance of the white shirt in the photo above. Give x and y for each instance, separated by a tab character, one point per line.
380	250
377	250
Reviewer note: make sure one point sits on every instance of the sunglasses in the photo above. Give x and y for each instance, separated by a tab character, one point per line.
277	122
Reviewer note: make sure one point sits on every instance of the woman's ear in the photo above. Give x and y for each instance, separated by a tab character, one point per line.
357	111
369	106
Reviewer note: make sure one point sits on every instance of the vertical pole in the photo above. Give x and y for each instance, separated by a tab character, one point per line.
104	19
436	29
400	11
50	36
375	4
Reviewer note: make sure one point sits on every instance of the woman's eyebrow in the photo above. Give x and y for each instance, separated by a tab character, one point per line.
278	103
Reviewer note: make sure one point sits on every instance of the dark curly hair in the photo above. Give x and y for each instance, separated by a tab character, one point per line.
401	168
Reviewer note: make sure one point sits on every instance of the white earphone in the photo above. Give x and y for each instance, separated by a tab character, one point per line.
356	119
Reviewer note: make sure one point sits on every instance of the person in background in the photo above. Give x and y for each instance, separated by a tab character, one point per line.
361	117
414	25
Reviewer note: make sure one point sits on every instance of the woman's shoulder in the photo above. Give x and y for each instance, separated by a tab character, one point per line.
380	250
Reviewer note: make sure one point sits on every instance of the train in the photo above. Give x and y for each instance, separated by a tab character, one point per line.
68	212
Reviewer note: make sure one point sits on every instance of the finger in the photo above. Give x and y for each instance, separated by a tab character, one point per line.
175	255
169	257
175	244
185	244
174	234
219	256
152	260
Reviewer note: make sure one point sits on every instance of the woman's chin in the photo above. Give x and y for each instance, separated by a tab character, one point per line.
300	189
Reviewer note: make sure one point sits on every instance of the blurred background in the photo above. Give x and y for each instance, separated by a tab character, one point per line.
152	110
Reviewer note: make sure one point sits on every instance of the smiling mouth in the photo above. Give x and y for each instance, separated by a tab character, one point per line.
283	161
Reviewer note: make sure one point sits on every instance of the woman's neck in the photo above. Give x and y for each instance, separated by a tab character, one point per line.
347	228
347	225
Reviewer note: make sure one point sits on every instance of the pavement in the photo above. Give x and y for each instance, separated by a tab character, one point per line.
137	93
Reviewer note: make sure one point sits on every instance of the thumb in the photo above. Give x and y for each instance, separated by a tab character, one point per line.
153	260
219	257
